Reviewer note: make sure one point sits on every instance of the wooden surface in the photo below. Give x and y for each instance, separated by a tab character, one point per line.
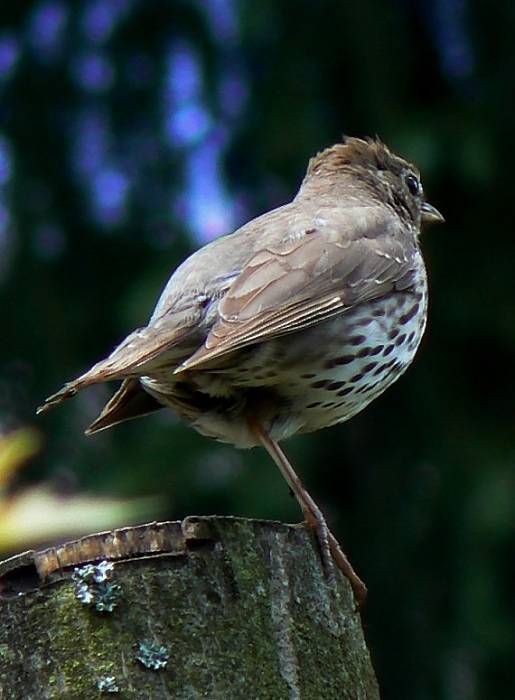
216	608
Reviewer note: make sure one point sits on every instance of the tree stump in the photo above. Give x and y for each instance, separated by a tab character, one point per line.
211	607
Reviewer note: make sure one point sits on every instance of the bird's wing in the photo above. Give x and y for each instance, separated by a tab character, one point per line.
140	349
307	279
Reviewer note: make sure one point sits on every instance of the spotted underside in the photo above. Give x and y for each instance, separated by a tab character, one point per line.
293	385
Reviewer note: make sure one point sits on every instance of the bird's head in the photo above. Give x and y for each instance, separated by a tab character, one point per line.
370	166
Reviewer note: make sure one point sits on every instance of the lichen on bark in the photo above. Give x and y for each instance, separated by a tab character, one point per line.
236	609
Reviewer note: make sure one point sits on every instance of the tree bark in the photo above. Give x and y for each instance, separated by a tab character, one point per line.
216	608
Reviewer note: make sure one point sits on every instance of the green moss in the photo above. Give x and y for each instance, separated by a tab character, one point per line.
253	612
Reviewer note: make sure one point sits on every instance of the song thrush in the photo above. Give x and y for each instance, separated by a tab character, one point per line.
295	322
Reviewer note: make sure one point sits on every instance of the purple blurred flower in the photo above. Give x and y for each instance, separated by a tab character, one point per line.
46	27
93	72
452	39
233	93
222	17
187	124
5	239
183	78
9	54
5	161
100	18
208	207
110	190
89	142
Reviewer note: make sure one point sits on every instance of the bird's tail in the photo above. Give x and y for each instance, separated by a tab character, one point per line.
130	401
101	372
136	354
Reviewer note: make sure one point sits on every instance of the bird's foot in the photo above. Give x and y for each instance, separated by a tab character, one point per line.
331	553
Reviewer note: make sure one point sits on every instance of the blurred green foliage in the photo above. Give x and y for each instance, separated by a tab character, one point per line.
132	131
41	513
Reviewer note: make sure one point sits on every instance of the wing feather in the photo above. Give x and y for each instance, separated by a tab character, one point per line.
303	282
129	359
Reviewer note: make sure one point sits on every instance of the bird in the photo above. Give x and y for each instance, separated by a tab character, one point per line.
293	323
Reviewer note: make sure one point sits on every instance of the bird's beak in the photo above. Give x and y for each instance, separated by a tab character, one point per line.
431	215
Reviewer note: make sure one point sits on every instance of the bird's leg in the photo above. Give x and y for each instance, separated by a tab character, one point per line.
314	518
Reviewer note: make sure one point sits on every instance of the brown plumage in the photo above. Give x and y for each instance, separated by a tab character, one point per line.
294	322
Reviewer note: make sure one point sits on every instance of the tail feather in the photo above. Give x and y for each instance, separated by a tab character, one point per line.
130	401
131	358
68	390
103	371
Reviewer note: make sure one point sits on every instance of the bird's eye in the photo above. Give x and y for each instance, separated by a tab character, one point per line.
413	184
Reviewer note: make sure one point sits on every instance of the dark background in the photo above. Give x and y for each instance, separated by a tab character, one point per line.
131	132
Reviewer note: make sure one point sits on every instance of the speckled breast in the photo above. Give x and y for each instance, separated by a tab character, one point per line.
381	339
306	380
328	373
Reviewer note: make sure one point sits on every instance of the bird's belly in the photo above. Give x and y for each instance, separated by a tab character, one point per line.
307	380
326	374
374	351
